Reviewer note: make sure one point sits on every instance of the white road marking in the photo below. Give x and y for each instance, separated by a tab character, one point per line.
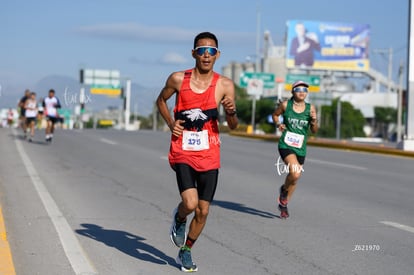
73	250
104	140
164	157
399	226
338	164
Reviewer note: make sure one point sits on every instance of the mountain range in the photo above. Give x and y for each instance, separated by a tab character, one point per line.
67	90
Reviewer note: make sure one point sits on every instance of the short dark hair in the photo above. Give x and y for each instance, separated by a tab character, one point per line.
203	35
51	91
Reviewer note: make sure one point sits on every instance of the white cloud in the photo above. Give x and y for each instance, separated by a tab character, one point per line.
134	31
168	59
173	59
160	34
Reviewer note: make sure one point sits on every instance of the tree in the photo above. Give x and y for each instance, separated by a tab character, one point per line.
383	117
352	121
264	108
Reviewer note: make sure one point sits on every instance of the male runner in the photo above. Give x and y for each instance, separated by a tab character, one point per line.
31	114
22	111
50	105
195	145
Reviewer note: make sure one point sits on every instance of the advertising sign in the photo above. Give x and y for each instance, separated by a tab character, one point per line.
327	46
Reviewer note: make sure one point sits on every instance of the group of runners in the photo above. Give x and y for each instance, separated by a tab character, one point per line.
193	155
31	111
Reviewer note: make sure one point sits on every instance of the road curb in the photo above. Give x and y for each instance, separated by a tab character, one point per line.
6	261
334	144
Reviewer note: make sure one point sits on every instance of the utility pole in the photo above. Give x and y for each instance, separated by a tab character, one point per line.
338	118
389	52
389	69
408	143
257	69
127	103
399	110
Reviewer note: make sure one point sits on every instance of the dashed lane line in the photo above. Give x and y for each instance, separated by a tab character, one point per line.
399	226
344	165
108	141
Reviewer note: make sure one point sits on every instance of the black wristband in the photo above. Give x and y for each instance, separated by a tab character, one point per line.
232	113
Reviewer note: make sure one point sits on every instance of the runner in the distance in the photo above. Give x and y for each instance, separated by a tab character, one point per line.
195	145
10	118
22	112
31	114
51	104
297	118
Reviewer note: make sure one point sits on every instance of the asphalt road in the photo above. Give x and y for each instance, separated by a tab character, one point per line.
99	202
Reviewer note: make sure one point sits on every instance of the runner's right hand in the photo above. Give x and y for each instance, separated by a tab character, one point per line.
177	128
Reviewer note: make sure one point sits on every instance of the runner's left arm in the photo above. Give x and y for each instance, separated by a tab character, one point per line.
57	106
229	103
313	120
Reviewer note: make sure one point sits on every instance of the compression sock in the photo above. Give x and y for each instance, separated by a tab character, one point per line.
189	242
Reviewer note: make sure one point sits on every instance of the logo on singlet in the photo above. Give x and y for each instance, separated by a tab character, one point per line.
195	114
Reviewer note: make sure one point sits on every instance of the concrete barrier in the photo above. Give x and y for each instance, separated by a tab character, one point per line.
335	144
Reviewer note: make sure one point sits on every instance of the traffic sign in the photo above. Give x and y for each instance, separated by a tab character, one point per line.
255	87
312	80
102	82
100	77
109	90
267	78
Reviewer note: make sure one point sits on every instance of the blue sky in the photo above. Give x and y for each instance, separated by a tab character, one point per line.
148	39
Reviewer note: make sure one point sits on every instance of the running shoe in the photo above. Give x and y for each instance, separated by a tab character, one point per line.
283	194
283	202
184	259
284	213
177	230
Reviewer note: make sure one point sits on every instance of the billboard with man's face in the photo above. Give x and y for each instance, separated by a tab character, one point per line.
327	46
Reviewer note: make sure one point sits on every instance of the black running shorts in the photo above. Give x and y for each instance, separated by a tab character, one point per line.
204	182
30	119
52	119
285	152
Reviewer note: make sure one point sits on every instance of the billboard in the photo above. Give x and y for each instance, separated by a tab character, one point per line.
327	46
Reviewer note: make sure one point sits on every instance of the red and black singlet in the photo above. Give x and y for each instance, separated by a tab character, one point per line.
199	145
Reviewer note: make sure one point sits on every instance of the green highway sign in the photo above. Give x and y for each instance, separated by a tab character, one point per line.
267	78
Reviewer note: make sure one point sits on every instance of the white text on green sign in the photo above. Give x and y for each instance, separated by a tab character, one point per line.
267	78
